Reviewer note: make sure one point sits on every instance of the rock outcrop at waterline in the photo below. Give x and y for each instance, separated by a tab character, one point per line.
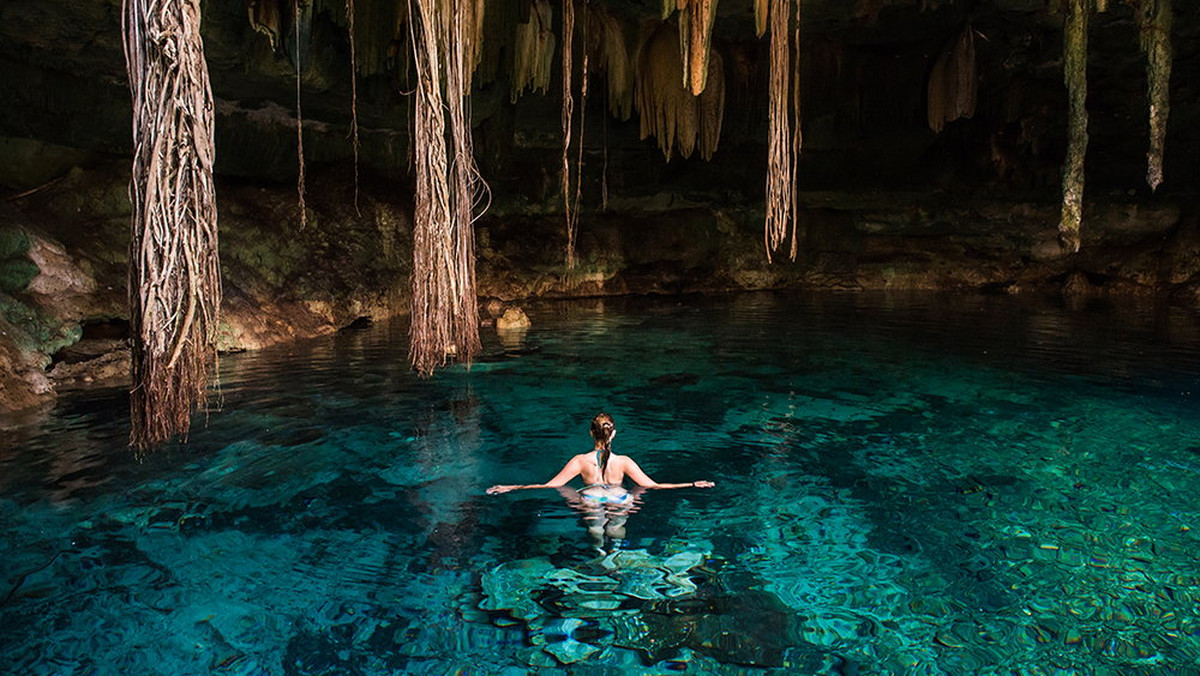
64	270
62	260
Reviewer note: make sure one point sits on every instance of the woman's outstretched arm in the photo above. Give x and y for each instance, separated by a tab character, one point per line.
642	479
568	472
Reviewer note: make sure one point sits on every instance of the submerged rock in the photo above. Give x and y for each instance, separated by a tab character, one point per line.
513	318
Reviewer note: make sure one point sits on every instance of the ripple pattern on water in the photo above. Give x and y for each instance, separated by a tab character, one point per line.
914	484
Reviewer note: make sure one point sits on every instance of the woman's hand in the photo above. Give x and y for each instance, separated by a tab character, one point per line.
703	484
496	490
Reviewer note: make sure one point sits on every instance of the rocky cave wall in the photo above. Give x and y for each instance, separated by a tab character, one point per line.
886	202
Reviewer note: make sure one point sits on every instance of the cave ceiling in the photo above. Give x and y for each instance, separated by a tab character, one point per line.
62	71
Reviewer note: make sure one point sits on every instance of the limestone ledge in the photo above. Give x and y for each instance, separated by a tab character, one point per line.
63	259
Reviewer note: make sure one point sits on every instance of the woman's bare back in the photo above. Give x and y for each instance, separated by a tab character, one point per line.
619	467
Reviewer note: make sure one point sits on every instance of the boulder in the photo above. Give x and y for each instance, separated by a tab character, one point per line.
513	318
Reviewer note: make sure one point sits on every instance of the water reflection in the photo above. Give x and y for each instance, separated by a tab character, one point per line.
605	511
932	484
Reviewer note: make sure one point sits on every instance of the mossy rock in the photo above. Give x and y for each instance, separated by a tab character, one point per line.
14	242
26	162
41	333
16	274
16	270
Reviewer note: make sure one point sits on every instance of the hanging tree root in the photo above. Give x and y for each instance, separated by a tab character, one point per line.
174	274
445	314
1155	32
695	38
1075	73
300	179
783	145
353	98
568	108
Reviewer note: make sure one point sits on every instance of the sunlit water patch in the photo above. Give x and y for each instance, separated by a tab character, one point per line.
904	485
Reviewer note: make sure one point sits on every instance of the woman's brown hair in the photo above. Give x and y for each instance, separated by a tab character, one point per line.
603	429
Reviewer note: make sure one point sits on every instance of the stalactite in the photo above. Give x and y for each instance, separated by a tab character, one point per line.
608	53
379	29
498	30
710	108
266	18
299	120
534	51
445	315
953	84
784	122
666	110
1075	31
746	82
1154	19
604	169
174	271
473	17
695	41
761	15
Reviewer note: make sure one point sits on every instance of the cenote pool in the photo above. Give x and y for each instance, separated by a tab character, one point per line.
916	484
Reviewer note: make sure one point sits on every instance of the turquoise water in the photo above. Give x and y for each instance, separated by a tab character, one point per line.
922	484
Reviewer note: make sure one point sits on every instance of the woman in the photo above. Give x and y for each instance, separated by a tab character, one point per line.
601	470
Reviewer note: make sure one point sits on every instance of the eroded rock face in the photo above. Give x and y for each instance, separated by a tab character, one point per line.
64	262
62	287
23	380
284	282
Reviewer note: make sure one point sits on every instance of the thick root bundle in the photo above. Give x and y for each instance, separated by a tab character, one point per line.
783	145
174	271
1075	73
469	14
570	196
445	314
1154	19
695	41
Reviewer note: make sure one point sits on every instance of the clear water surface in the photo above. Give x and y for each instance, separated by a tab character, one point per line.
923	484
